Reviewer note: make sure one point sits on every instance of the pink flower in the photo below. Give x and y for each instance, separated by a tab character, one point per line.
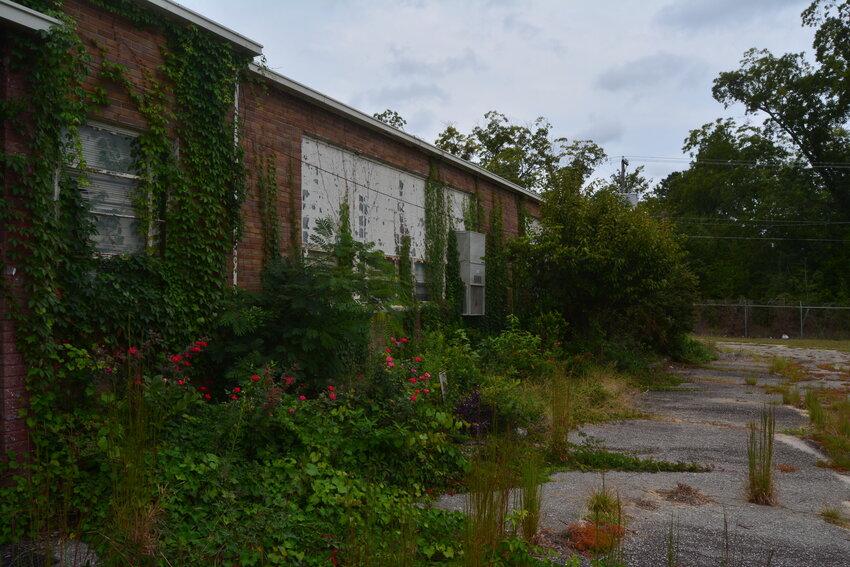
404	339
332	396
557	342
181	382
388	351
207	396
413	370
291	410
427	375
331	388
237	389
413	398
195	349
288	380
417	359
392	339
176	358
359	376
427	391
203	388
234	397
417	391
138	382
391	364
413	380
254	377
202	344
302	398
133	350
389	359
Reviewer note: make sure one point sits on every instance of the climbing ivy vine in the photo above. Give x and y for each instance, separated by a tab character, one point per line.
267	202
496	271
436	225
188	201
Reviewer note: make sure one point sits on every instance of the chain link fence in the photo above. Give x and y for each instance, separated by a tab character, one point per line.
744	318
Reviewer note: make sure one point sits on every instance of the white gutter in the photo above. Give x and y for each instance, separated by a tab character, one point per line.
339	108
24	17
241	42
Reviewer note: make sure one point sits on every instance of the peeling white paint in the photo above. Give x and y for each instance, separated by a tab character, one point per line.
385	202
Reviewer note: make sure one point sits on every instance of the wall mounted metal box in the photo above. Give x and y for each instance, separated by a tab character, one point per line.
471	247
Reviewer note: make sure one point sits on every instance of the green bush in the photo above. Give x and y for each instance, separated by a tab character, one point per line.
514	352
514	405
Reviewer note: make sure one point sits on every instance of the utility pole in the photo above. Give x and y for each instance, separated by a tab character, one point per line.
623	163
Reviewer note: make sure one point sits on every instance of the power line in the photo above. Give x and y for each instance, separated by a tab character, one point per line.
763	238
739	163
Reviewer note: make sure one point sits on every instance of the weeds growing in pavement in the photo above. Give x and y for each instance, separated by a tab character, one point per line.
673	542
530	496
560	415
788	369
834	516
489	483
760	485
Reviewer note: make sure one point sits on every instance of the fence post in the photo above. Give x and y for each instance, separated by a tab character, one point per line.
801	319
746	323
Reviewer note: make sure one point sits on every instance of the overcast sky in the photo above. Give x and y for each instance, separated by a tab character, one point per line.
634	76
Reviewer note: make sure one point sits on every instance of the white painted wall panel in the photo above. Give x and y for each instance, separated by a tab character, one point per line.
385	202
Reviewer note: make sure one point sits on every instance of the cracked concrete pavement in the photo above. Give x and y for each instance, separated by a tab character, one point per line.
705	420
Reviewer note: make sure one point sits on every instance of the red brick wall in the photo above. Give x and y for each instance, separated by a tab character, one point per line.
275	122
13	435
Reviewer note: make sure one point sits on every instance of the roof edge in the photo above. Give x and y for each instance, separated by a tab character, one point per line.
26	18
183	13
340	108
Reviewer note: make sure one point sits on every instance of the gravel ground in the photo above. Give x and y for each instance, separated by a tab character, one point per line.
705	421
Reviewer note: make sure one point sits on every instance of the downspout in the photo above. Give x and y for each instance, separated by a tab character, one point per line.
235	253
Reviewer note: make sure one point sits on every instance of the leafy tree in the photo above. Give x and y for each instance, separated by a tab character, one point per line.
807	106
524	154
612	272
391	118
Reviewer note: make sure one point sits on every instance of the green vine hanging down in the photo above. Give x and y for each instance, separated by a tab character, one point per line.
497	276
267	203
436	224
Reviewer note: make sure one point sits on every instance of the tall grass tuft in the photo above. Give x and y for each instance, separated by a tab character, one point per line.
489	483
760	486
673	542
817	414
561	415
530	496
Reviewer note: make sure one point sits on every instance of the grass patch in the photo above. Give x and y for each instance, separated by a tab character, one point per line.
761	488
835	517
592	457
751	381
791	371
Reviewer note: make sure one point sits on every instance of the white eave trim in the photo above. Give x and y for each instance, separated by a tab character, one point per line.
24	17
339	108
181	12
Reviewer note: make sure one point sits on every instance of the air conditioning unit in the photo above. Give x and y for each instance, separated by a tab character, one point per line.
471	246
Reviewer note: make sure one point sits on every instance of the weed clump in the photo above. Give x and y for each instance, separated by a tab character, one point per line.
760	486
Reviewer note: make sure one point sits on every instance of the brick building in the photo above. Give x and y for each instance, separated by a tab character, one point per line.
317	151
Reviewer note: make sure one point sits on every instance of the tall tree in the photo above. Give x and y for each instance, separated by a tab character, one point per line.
527	155
807	105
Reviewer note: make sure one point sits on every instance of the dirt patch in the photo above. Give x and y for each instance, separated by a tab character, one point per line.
684	494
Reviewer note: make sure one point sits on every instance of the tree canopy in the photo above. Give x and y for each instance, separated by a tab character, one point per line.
766	204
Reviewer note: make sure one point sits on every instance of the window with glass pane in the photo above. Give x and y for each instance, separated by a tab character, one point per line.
421	288
109	188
